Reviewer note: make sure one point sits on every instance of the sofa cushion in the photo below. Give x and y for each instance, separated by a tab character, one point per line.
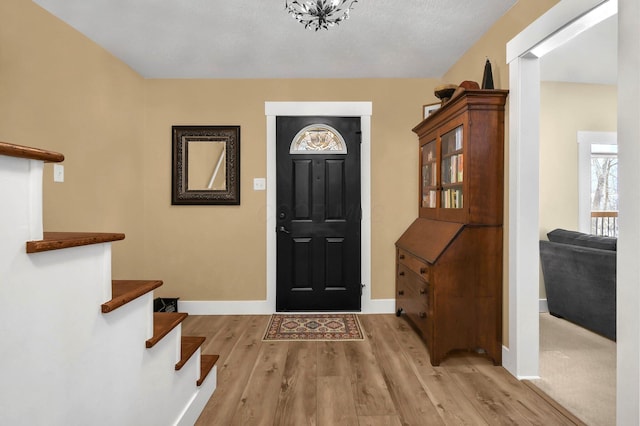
564	236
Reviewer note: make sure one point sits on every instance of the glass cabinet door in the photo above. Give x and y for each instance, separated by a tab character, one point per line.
429	175
452	169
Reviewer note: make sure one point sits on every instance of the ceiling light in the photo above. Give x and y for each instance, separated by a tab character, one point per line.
317	14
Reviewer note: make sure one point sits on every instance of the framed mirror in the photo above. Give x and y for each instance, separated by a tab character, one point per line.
206	165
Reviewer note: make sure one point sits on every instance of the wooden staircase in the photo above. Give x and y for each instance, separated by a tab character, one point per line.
168	384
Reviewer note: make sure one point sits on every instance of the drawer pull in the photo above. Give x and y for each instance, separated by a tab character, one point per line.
423	291
423	270
401	257
401	273
400	292
422	314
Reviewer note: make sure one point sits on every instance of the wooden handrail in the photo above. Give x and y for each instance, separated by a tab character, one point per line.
20	151
604	213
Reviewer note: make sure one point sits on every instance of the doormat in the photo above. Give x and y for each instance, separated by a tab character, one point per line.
320	327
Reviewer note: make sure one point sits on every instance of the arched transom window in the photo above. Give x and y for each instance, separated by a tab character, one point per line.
318	139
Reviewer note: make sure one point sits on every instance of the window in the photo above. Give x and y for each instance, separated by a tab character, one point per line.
598	183
318	139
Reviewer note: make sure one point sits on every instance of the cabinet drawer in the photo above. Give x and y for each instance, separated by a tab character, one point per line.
416	265
416	287
416	311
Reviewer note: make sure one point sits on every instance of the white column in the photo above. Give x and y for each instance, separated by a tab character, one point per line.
522	358
628	268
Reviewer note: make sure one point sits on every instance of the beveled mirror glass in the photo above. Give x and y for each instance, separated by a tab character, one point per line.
206	165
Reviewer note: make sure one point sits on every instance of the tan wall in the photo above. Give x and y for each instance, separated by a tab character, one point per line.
566	109
219	252
492	46
60	91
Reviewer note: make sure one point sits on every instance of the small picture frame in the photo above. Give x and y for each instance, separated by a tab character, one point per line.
429	109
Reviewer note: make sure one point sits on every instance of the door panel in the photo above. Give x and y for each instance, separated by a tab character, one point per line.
334	196
302	189
318	219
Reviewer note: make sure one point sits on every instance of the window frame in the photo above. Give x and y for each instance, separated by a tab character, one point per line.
585	140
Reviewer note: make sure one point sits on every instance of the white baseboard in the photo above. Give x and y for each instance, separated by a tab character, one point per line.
543	305
263	307
379	306
223	307
509	363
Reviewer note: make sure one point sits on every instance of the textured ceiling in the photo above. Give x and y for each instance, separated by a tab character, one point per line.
258	39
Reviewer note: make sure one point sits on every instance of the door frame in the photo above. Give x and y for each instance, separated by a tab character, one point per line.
561	23
334	109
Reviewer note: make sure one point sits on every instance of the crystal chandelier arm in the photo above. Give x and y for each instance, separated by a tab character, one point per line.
317	14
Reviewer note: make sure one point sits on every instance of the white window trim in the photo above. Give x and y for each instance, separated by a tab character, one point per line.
585	140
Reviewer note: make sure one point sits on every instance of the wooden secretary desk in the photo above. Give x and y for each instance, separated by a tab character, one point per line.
449	260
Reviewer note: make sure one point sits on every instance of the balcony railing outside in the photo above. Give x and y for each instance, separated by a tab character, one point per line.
604	223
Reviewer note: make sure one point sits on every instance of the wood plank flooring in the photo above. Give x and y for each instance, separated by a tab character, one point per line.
386	379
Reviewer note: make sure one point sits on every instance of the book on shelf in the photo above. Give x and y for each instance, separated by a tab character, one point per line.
458	138
452	198
454	169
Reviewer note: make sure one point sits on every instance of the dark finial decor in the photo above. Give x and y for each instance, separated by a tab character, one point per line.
487	78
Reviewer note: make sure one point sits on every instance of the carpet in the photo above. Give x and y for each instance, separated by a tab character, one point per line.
334	327
578	370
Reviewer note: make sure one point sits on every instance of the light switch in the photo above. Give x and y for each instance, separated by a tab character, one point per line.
58	173
259	184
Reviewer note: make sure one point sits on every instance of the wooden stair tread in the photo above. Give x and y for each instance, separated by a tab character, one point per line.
61	240
124	291
206	365
188	347
21	151
163	323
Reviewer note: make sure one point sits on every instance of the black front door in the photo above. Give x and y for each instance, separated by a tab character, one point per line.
318	213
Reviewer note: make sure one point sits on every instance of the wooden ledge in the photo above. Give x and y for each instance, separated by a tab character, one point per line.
206	364
188	347
163	323
124	291
20	151
61	240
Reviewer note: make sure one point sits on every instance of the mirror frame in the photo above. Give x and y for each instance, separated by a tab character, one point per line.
180	194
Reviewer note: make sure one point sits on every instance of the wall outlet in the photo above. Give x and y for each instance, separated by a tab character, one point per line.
58	173
259	184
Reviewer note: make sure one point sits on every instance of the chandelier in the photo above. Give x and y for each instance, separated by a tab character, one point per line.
317	14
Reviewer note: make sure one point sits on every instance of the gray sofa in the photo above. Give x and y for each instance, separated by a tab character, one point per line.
580	279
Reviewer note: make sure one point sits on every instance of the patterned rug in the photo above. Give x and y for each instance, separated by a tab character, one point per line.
313	327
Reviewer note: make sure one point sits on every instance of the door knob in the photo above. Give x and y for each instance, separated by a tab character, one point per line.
283	229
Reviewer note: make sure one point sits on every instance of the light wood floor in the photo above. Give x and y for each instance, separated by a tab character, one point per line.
384	380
